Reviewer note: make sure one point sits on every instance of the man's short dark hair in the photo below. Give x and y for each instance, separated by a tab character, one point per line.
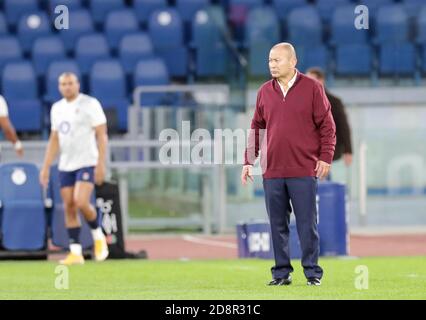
318	72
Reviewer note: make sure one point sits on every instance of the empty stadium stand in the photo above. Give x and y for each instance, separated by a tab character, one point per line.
193	40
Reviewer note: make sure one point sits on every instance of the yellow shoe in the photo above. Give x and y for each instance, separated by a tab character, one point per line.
101	249
72	259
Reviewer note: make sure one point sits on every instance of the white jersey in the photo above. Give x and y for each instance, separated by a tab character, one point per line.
75	123
3	107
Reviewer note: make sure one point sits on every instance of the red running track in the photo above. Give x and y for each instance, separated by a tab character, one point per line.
225	247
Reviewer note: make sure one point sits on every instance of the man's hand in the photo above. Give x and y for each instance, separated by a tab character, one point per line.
100	173
247	172
347	158
322	169
19	149
20	152
44	177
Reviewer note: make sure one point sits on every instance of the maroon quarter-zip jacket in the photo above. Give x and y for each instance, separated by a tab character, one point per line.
300	129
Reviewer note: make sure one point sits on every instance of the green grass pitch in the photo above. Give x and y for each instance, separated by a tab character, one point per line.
388	278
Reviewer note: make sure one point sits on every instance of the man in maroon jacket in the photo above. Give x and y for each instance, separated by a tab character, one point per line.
300	140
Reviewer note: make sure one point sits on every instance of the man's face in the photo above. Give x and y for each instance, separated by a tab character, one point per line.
281	63
315	76
69	87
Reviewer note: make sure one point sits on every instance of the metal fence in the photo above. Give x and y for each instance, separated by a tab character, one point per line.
208	197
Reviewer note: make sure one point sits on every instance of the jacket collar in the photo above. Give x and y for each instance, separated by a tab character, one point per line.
276	85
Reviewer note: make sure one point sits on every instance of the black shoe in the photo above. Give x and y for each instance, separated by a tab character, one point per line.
280	282
314	282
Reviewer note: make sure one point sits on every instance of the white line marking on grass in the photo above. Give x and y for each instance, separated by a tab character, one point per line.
184	259
214	243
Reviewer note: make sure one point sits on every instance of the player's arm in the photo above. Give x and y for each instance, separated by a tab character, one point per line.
102	142
10	134
50	155
324	121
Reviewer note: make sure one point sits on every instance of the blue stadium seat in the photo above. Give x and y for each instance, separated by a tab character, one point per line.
166	32
101	8
108	84
262	23
283	7
24	223
118	23
53	72
374	5
3	25
211	61
32	26
59	234
10	51
176	60
82	23
20	89
134	47
421	26
305	27
397	59
151	72
342	27
165	29
258	57
144	8
207	27
89	49
188	8
45	51
261	33
353	60
312	56
413	7
392	24
326	8
14	9
211	56
70	4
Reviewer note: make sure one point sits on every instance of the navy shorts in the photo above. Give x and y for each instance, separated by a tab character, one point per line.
70	178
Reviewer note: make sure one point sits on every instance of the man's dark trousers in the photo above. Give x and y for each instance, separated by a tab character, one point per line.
302	193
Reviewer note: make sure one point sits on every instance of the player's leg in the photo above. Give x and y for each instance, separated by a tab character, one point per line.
82	194
277	206
72	220
303	197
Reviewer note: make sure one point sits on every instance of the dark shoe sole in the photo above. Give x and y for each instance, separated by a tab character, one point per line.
283	282
314	283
